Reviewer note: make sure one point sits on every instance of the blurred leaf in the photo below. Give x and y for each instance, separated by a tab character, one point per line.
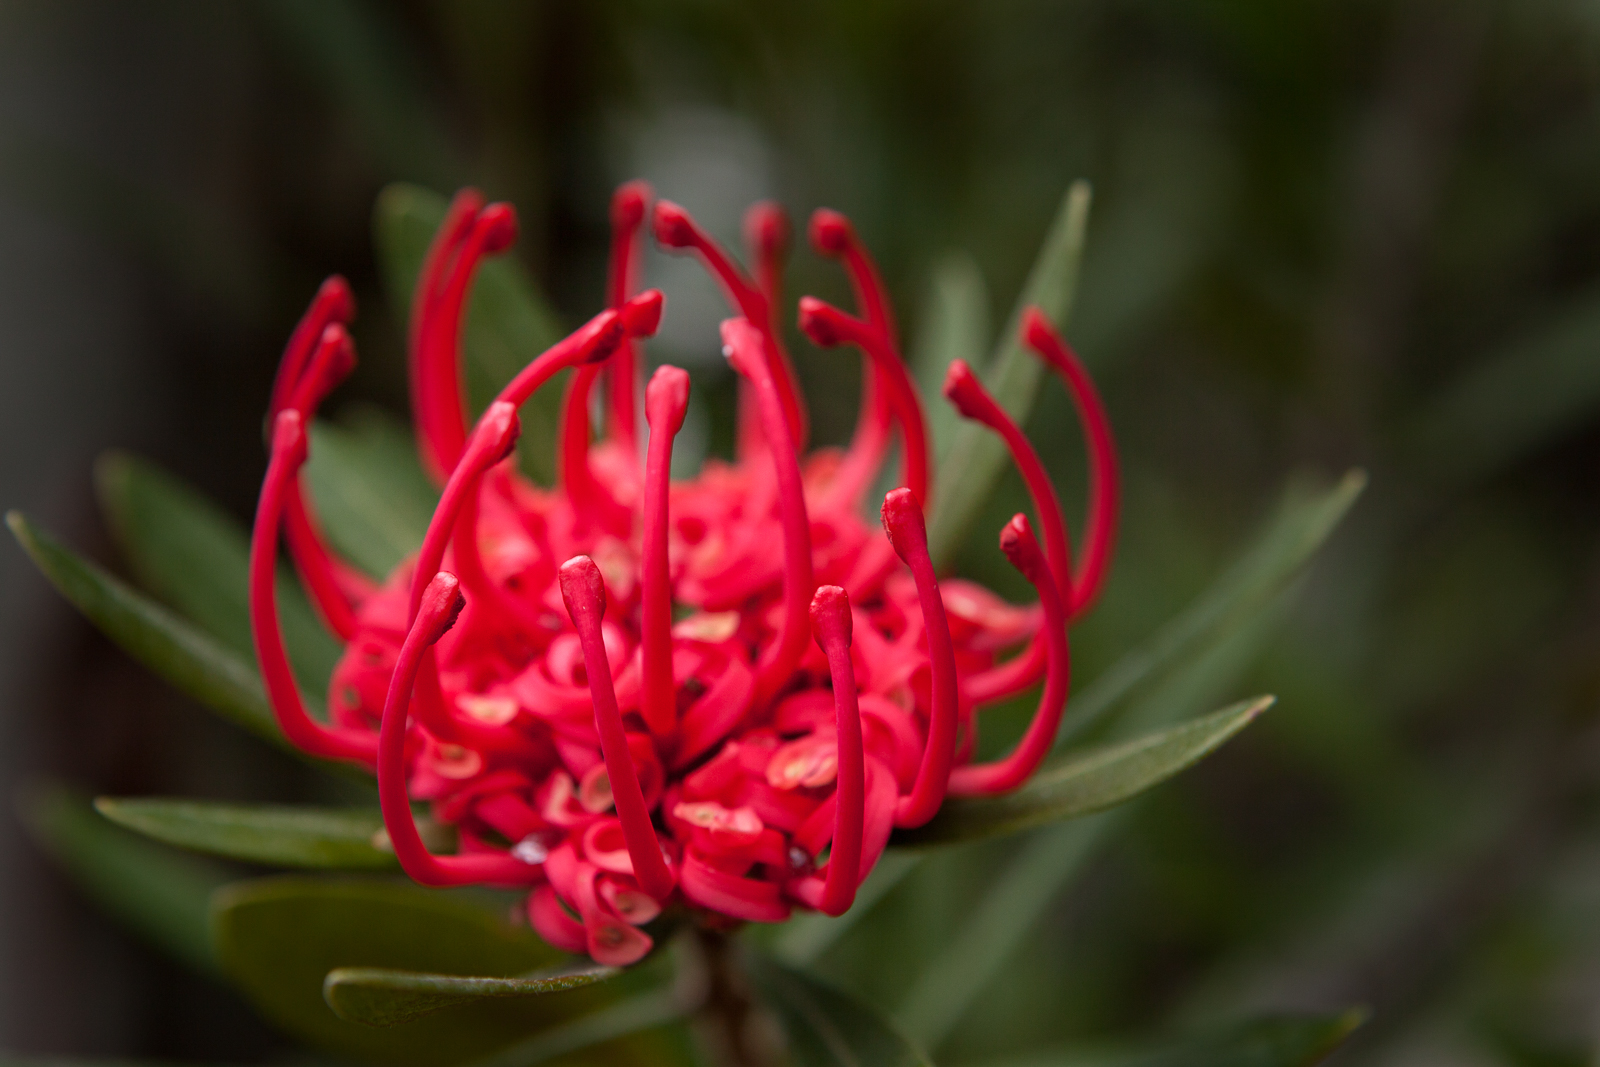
639	1013
807	936
976	456
195	557
1540	384
371	494
149	633
1299	1041
377	996
160	894
324	838
990	934
1084	781
278	938
954	326
509	322
1302	524
825	1027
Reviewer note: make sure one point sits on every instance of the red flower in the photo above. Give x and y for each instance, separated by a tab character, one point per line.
524	672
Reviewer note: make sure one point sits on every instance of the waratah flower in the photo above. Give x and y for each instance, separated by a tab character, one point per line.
627	692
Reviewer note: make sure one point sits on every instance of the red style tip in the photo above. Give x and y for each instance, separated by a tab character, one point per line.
1022	549
666	399
673	227
289	438
820	321
500	428
335	295
628	205
766	229
962	388
830	615
441	605
831	232
1036	330
641	316
903	522
499	225
583	590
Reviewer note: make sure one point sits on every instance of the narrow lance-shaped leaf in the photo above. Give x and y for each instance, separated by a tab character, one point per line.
278	938
380	996
1085	781
171	647
196	558
826	1027
369	488
976	456
604	1027
1301	525
988	936
955	326
159	893
349	839
508	321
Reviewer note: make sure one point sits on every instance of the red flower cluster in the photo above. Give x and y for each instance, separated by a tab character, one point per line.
621	691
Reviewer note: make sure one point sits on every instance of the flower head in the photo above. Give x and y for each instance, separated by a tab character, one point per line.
627	692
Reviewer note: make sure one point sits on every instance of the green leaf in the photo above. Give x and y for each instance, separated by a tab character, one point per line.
807	936
955	325
1301	525
1534	388
279	835
160	894
278	938
1290	1041
369	488
508	321
976	457
987	937
196	558
1085	781
825	1027
623	1019
378	996
175	650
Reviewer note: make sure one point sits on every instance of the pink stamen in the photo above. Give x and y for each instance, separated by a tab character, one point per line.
435	271
492	441
591	500
288	454
834	237
584	592
827	326
742	346
441	604
830	622
331	363
907	530
334	303
1105	478
972	400
766	236
629	205
665	402
1001	776
492	232
675	229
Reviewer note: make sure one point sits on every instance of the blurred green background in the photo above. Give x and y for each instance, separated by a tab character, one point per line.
1325	234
